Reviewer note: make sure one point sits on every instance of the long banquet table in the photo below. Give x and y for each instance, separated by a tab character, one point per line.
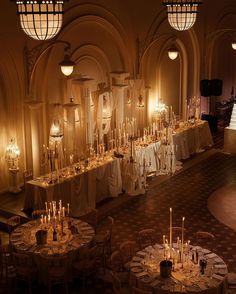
192	139
82	189
145	273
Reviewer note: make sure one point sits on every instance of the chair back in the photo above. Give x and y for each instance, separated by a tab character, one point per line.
27	176
115	261
37	213
177	232
13	222
205	239
22	260
116	283
139	291
147	237
127	251
91	217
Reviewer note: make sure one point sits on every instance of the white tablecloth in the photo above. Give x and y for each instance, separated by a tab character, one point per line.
82	190
145	273
192	139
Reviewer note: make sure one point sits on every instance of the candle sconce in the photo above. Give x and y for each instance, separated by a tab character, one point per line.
140	102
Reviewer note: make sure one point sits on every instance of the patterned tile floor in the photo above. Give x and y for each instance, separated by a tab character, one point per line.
187	193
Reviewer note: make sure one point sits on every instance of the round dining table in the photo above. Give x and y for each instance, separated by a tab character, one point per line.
73	235
184	278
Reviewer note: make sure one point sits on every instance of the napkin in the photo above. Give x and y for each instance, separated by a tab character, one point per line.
217	277
142	274
220	266
136	258
134	264
141	253
211	255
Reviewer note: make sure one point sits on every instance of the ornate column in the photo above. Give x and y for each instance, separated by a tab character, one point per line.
34	136
87	105
69	134
119	85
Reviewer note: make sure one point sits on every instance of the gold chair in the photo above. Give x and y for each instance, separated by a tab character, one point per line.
139	291
56	270
12	223
37	213
147	237
177	232
205	239
127	251
91	217
117	285
27	176
87	265
116	262
25	269
103	240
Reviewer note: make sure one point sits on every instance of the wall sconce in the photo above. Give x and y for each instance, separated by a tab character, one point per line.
40	19
56	131
182	14
12	155
233	44
140	102
173	53
33	56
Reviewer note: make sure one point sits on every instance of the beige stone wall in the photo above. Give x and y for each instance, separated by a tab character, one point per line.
103	35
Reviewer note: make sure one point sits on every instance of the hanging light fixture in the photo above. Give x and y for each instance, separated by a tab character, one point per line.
67	65
182	14
40	19
173	53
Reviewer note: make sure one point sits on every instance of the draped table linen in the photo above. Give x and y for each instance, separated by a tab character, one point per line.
23	240
145	273
82	190
192	139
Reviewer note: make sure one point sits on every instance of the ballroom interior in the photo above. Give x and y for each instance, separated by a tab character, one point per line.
118	146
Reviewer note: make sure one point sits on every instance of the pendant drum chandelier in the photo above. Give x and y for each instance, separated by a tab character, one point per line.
40	19
182	14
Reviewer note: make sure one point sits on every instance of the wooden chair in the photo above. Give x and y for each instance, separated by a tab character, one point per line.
117	285
27	176
116	262
25	269
205	239
127	251
91	217
177	232
139	291
147	237
104	239
12	223
87	265
36	214
56	270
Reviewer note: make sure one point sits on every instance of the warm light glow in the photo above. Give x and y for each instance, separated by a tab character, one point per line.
234	45
173	53
56	132
67	70
41	20
182	14
67	65
160	107
12	154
